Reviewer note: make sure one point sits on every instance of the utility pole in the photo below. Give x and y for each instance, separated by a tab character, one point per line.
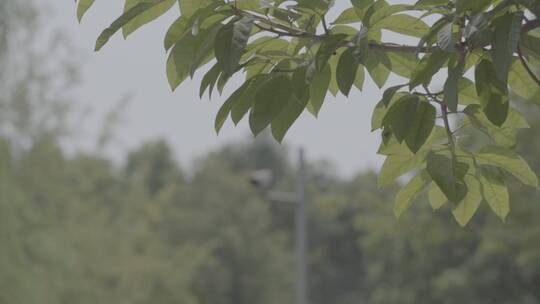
301	238
262	179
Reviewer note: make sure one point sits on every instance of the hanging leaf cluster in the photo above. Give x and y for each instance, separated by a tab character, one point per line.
469	61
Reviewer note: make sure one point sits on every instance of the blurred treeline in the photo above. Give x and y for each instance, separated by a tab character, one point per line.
77	228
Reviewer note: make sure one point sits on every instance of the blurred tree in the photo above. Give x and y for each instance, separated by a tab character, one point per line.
153	165
261	153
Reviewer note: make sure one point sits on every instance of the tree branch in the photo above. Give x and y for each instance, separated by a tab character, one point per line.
283	30
399	48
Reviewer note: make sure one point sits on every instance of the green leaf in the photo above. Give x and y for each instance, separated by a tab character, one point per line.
475	6
240	108
383	105
497	108
492	93
483	75
374	7
428	66
451	85
399	117
361	7
385	12
432	35
231	42
476	26
389	94
209	80
467	92
402	63
409	192
176	31
271	98
507	33
448	175
222	81
520	81
467	207
504	135
327	49
359	78
403	24
204	18
146	17
509	161
396	165
225	109
189	7
446	39
378	66
495	192
333	88
83	7
248	4
126	17
188	54
410	119
436	197
347	16
173	77
204	47
300	82
318	88
346	72
430	3
282	123
401	160
422	126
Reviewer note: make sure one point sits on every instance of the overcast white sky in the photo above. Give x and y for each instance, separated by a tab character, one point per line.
136	67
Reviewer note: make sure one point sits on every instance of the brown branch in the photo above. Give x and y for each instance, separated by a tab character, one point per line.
531	25
399	48
526	66
279	33
283	30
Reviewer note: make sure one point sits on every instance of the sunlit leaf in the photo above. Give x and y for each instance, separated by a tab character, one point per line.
509	161
409	192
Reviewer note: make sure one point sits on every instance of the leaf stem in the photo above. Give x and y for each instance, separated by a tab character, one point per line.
449	133
526	66
325	26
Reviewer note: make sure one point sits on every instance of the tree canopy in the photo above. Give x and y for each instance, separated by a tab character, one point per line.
467	62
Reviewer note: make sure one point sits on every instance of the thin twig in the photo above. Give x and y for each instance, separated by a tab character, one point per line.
531	25
325	26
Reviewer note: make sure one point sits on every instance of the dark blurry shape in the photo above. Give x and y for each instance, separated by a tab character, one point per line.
110	124
153	166
262	179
